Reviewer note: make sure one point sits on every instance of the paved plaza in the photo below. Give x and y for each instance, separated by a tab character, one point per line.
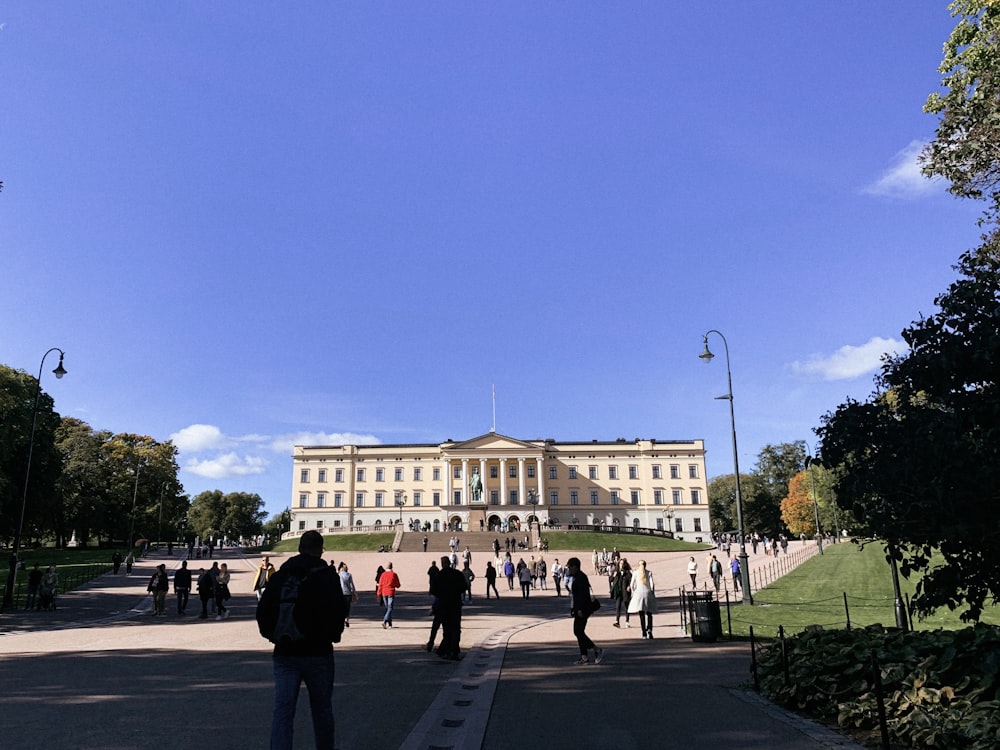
101	674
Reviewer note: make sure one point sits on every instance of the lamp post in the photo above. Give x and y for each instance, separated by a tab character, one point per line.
707	356
400	502
810	462
668	514
59	371
533	502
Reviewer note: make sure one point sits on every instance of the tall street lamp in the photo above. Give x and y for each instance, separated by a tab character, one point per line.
668	515
400	502
8	592
744	560
810	462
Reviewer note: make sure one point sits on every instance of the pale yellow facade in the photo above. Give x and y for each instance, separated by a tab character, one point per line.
640	483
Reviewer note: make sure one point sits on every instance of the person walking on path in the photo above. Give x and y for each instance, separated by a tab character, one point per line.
734	566
34	584
524	576
305	653
543	574
621	591
469	578
129	562
347	589
158	586
222	592
715	571
264	572
182	586
693	572
206	591
432	572
388	584
643	598
491	580
580	609
116	562
557	576
508	571
425	542
449	588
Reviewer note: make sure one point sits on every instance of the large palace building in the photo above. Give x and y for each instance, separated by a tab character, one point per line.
499	482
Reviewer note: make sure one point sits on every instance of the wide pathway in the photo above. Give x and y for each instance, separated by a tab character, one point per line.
101	673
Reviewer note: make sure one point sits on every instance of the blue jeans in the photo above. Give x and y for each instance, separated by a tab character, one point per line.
388	610
289	673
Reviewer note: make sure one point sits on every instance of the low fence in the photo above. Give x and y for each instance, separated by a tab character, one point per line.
70	577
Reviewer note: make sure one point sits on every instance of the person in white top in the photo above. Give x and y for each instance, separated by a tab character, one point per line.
643	599
693	572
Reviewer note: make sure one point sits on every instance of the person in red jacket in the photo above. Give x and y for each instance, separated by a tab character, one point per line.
388	583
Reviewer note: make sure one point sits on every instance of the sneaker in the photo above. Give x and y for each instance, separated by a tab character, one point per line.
347	623
218	617
598	655
582	660
225	615
616	625
628	624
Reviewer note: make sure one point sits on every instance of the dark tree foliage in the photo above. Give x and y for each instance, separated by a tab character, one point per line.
919	464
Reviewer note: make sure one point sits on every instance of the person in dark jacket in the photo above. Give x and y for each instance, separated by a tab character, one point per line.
159	585
581	610
206	591
318	613
447	591
182	586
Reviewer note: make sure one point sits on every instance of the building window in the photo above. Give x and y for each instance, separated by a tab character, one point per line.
676	496
633	472
530	468
397	474
436	474
416	500
574	497
379	475
418	475
456	472
553	472
304	476
302	525
319	524
361	475
303	500
379	499
553	498
675	471
635	497
320	499
437	499
322	475
338	475
359	501
338	499
572	472
494	497
336	524
697	524
614	497
612	472
513	498
512	471
695	497
656	472
494	471
657	497
678	524
592	472
457	500
659	524
593	497
692	471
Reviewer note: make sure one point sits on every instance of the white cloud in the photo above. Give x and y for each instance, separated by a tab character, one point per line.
285	443
849	362
200	437
904	179
227	465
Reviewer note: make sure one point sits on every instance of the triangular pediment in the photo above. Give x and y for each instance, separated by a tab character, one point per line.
492	442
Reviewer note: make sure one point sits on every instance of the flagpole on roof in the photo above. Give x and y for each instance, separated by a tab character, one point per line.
494	409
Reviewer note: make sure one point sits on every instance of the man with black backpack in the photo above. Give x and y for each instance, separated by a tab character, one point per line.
302	612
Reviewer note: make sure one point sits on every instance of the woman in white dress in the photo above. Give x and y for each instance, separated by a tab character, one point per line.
643	599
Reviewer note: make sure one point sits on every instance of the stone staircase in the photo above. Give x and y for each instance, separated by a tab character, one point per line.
437	541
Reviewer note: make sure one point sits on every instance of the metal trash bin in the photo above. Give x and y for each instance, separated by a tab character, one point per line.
704	617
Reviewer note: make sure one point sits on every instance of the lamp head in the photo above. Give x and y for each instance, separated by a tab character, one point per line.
706	355
60	370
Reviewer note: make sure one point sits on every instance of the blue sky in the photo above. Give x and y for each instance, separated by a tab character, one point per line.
255	225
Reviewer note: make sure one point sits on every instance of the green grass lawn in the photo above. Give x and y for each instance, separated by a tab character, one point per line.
578	540
351	542
813	594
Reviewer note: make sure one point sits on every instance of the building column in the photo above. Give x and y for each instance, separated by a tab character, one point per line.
446	484
465	481
521	498
541	481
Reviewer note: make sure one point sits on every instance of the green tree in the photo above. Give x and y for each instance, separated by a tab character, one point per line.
238	514
83	482
142	474
277	525
966	149
757	515
919	464
17	403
